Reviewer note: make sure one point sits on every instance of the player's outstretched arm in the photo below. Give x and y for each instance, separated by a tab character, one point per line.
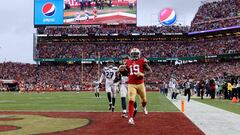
148	69
101	78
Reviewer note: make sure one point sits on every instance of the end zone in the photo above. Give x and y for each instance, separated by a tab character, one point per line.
103	123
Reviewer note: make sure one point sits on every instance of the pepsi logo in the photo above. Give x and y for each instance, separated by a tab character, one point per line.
168	16
49	9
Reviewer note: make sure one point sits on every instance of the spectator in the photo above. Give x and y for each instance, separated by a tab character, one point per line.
212	88
217	14
201	88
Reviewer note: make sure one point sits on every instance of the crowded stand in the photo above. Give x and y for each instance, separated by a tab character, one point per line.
17	71
215	24
46	76
75	76
217	10
218	14
152	49
101	29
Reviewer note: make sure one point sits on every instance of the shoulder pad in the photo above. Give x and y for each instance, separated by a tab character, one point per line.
105	68
115	68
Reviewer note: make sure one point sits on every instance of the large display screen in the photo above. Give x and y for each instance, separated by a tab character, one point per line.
62	12
48	12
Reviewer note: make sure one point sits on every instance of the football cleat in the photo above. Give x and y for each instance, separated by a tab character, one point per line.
112	109
124	115
145	111
131	121
135	113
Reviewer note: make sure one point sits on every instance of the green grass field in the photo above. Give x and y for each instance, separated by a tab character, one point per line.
222	104
72	101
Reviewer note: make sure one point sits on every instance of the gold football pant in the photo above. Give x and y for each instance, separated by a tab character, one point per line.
134	89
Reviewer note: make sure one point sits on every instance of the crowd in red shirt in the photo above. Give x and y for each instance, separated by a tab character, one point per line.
218	14
71	77
150	49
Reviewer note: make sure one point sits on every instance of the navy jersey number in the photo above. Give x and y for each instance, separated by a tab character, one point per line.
109	75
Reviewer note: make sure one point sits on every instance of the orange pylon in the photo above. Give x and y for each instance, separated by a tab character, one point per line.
182	105
234	100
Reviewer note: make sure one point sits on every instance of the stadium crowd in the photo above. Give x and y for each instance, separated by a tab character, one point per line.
76	77
217	10
150	49
48	76
120	30
218	14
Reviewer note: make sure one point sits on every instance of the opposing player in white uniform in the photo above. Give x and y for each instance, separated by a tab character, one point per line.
122	79
109	73
172	88
96	88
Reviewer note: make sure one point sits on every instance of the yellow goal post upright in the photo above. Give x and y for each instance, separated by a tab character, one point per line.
82	71
98	70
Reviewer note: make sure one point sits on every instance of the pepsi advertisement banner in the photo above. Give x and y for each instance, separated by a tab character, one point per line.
166	12
48	12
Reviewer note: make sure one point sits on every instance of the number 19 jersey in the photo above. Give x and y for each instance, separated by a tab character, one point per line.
134	67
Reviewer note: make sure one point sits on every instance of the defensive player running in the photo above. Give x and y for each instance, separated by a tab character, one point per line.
96	88
109	73
136	68
172	88
122	77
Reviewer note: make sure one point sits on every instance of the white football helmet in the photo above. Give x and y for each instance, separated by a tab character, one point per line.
135	53
110	63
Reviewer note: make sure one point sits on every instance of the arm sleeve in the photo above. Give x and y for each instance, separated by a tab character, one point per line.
147	67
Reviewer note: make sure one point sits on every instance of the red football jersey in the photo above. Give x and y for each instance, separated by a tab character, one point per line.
94	11
135	66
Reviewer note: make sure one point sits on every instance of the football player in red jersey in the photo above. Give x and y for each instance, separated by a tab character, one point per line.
122	78
136	67
94	13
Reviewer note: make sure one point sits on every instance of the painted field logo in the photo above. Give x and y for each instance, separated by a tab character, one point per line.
168	16
48	9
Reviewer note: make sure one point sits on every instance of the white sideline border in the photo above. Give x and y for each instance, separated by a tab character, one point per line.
211	120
